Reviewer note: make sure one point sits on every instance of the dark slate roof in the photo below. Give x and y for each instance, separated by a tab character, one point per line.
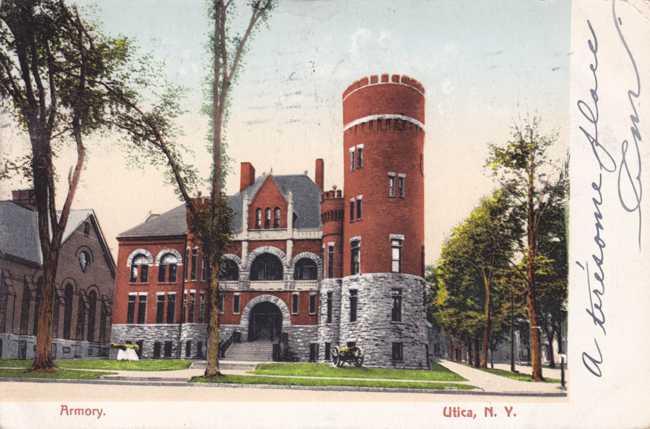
306	202
19	230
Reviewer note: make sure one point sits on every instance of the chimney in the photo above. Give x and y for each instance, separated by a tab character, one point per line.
24	197
320	173
247	175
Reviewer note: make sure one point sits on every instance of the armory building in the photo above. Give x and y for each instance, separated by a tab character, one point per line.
314	268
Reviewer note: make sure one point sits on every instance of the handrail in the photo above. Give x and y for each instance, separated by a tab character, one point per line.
224	345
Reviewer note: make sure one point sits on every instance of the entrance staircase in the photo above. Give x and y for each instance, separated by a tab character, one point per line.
255	351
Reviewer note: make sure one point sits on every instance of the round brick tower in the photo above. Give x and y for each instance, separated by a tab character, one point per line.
383	226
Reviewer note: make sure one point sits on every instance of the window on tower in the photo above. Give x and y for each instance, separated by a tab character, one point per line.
359	206
352	159
360	156
354	299
396	255
401	183
355	257
352	210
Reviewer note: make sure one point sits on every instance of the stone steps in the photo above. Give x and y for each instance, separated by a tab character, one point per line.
256	351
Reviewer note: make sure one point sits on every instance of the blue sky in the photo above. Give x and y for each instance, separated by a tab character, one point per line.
483	63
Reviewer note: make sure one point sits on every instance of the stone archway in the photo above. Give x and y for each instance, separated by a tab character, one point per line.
271	299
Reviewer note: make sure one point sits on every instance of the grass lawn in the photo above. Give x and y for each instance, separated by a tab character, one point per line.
517	376
437	373
61	374
254	379
109	364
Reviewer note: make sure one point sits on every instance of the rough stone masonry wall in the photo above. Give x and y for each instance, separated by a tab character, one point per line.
149	334
374	331
300	337
329	332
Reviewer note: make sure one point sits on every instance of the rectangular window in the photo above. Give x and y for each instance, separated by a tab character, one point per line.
295	303
160	308
172	273
328	351
194	264
168	349
130	309
161	273
202	307
330	262
171	307
185	264
188	349
355	257
359	157
142	308
313	352
398	352
312	303
190	308
391	186
156	350
235	303
396	312
351	210
359	207
204	269
329	307
352	159
220	302
199	349
401	183
353	305
144	273
396	256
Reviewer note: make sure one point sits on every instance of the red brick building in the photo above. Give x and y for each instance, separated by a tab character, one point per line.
313	268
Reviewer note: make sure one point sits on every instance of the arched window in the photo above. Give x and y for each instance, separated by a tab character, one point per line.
68	296
92	310
267	218
81	317
306	269
266	267
139	269
229	270
167	268
24	309
258	218
37	303
85	258
276	218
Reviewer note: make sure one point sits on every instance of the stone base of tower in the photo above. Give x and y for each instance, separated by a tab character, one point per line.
374	331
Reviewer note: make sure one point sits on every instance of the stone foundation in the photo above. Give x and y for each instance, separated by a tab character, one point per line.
23	347
374	331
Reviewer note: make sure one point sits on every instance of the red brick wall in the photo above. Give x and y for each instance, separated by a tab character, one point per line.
389	146
123	287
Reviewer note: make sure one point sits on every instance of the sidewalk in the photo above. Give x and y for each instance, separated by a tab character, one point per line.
526	369
496	383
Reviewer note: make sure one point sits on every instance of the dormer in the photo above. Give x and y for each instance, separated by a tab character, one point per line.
268	206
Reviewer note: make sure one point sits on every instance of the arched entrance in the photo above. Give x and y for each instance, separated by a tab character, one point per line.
265	322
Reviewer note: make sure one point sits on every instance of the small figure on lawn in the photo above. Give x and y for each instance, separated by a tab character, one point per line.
350	355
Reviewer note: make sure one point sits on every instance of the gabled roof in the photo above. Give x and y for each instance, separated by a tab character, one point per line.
306	205
19	232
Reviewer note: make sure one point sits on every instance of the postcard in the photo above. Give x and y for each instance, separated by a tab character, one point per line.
324	213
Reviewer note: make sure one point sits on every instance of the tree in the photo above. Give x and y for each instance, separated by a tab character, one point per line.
521	166
480	250
153	133
53	68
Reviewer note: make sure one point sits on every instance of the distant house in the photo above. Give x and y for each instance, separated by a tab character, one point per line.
84	283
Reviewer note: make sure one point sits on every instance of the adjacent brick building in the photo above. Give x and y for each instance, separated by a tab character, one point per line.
322	268
83	286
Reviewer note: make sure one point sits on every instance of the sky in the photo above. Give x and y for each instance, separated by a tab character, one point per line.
483	63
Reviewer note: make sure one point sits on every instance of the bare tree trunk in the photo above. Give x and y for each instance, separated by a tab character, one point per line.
488	321
212	368
531	304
